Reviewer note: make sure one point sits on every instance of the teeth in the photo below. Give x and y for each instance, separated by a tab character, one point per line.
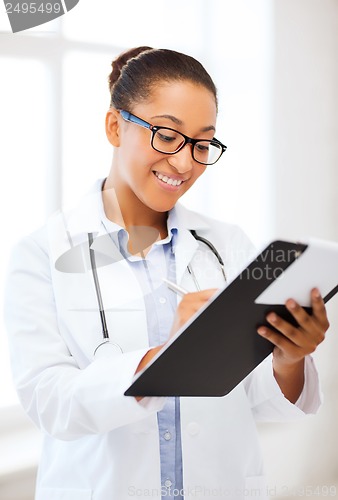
168	180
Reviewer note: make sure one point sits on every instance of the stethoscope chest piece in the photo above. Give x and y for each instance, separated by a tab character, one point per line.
107	349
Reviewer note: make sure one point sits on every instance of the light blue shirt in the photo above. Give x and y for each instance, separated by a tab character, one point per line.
160	305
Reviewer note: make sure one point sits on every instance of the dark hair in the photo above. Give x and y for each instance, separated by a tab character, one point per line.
137	71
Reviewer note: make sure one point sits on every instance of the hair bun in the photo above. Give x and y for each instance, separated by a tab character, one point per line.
121	61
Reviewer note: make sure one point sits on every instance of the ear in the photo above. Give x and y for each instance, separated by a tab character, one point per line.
113	127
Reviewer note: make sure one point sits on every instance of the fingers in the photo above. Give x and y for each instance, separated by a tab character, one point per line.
302	339
189	305
318	308
193	301
312	325
281	341
202	295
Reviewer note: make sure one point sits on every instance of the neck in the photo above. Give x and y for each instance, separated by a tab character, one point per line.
128	211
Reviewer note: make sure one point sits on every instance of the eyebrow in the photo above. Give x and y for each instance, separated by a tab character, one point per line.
179	122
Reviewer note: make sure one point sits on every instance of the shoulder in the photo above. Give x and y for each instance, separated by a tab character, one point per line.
229	240
35	253
205	225
82	216
30	252
37	240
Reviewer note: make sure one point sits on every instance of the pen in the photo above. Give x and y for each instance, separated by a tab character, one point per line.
175	288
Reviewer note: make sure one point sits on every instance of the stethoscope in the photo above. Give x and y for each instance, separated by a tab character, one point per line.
105	333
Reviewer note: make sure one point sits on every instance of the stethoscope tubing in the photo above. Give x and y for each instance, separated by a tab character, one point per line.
105	332
212	248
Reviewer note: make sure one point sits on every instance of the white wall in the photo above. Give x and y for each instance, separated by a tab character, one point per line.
305	166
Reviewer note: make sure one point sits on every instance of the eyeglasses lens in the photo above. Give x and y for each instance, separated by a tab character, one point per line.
167	141
206	152
170	141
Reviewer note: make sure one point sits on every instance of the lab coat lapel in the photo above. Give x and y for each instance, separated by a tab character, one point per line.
123	301
186	245
104	247
121	293
184	250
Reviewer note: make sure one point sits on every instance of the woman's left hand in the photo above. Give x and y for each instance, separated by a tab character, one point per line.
293	343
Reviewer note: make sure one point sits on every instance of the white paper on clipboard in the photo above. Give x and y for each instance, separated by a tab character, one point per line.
317	267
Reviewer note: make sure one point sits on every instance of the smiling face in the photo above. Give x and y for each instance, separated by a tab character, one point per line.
147	180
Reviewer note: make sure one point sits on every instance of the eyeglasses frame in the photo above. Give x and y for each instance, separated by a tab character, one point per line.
129	117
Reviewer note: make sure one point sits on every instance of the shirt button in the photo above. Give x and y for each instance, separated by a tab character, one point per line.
167	436
193	428
162	300
167	483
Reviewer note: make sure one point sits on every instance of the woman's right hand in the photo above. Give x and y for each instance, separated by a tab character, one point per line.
189	305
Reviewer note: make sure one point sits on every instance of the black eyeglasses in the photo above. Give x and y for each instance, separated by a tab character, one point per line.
169	141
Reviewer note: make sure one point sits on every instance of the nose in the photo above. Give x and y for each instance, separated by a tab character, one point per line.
182	161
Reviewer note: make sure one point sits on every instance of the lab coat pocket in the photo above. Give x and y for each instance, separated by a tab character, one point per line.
63	494
256	487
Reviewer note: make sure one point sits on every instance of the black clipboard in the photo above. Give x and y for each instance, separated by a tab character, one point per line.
216	351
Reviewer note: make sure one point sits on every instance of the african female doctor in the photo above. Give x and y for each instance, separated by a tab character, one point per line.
97	443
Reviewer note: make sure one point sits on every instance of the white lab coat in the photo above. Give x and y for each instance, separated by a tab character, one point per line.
99	444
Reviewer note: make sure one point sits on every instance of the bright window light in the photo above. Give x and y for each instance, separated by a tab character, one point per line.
178	24
23	156
86	150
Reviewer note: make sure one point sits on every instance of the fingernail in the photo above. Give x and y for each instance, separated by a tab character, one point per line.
272	317
291	304
316	293
262	331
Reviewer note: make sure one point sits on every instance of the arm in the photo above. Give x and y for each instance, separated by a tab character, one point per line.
292	343
189	305
64	400
273	386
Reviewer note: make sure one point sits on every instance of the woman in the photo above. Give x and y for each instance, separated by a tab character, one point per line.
98	443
